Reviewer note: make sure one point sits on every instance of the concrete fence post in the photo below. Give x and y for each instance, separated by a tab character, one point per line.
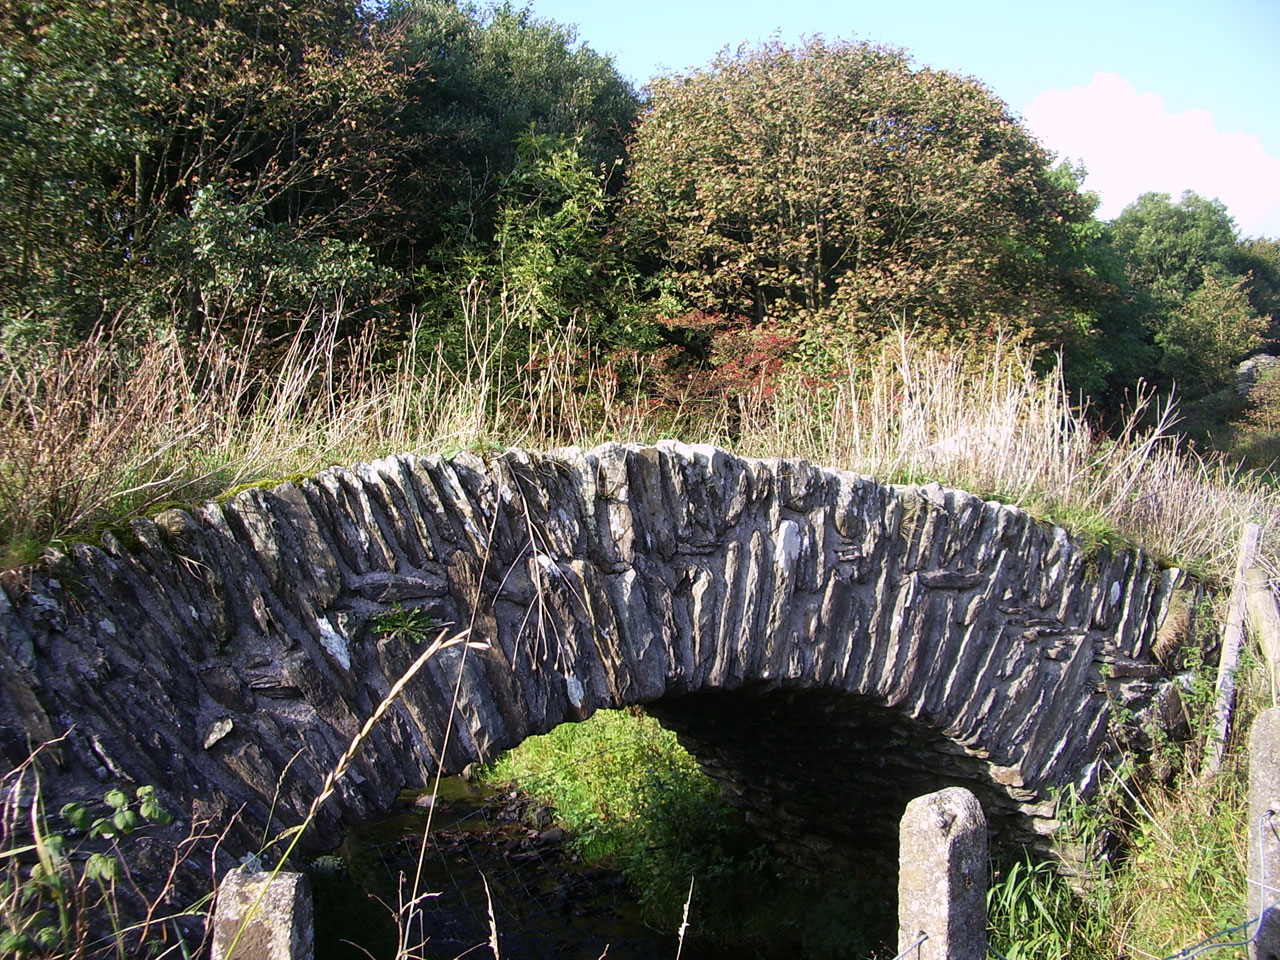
1264	833
1229	657
279	928
942	877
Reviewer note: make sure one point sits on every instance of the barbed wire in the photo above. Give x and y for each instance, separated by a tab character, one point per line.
914	946
1203	946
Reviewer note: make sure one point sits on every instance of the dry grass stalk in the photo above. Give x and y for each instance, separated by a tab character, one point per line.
293	834
94	433
493	920
995	426
70	894
684	921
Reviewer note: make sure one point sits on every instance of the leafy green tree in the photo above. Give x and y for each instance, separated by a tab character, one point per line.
70	75
1258	260
1211	329
551	261
836	189
136	131
550	228
1105	346
1167	246
1206	299
483	82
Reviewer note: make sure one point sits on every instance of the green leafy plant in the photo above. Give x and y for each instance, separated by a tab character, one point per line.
1032	913
633	798
412	625
125	817
66	888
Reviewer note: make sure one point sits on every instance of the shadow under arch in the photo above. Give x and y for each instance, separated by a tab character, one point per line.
824	776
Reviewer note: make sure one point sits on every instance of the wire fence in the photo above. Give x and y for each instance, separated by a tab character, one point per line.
913	948
1196	949
1214	941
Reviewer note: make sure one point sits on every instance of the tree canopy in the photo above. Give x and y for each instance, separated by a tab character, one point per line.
1203	298
835	189
183	165
1167	246
163	157
178	160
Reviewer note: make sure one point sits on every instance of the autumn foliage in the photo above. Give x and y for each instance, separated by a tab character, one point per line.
190	168
834	189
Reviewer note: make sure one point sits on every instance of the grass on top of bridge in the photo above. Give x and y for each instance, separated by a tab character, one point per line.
94	434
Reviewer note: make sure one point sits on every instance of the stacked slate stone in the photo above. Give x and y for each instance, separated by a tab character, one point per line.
828	645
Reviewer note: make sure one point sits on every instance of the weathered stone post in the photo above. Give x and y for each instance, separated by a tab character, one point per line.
1264	833
942	877
279	927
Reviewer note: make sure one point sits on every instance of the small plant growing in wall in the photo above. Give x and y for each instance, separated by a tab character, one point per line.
413	625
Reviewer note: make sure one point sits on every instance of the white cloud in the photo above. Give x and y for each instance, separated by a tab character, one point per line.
1131	145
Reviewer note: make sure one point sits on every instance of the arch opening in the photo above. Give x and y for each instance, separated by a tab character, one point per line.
824	776
748	897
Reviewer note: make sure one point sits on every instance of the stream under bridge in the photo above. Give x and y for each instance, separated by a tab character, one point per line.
828	646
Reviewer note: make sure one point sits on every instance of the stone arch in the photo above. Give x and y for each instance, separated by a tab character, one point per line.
210	652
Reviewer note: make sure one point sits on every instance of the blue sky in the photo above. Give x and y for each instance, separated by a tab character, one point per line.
1162	96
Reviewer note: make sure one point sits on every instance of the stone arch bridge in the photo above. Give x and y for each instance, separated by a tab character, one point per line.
827	645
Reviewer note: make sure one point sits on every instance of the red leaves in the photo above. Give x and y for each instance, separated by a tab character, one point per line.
740	359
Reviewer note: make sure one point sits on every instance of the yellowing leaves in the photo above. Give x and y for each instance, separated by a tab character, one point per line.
838	171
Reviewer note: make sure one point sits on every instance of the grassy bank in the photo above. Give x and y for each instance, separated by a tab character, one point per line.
93	434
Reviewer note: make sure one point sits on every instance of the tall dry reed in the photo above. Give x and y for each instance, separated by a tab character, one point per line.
94	433
993	424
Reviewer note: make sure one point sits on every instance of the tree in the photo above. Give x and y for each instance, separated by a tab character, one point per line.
1206	299
1258	260
1207	333
152	148
1104	345
1168	246
836	190
69	77
483	83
